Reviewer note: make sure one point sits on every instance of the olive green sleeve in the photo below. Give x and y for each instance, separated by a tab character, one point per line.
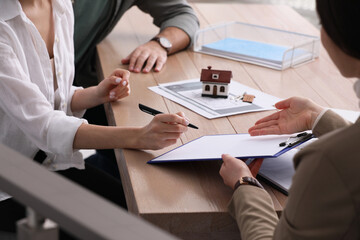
175	13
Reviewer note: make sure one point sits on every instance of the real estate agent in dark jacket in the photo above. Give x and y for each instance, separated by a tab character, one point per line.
324	199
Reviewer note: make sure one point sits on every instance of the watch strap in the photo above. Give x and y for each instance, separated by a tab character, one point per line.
157	39
248	181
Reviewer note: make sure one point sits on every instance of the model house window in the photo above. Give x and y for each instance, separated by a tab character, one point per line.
215	76
207	88
222	89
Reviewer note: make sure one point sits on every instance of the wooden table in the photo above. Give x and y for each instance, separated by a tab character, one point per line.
190	199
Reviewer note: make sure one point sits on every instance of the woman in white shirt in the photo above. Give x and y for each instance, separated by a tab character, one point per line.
39	107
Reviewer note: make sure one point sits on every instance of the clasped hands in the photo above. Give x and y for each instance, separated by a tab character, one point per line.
296	115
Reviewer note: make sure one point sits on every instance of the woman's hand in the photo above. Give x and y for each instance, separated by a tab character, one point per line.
296	115
233	169
115	87
162	131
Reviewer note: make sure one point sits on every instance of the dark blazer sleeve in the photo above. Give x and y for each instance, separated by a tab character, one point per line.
174	13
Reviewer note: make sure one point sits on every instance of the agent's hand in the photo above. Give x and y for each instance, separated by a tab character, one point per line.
233	169
151	53
296	115
115	87
162	131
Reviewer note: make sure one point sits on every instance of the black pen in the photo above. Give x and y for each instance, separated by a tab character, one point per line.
154	112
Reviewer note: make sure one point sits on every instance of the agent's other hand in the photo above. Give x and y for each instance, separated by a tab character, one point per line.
162	131
233	169
296	115
115	87
151	53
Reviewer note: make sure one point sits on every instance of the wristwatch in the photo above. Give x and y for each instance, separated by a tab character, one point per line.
164	43
248	181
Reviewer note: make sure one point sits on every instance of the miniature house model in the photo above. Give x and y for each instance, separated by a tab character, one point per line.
215	82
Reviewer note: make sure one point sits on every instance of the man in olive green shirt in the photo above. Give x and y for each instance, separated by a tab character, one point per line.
94	20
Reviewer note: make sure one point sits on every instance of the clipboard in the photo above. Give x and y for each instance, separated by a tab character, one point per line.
242	146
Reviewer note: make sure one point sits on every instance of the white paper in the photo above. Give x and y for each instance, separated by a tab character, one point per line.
188	94
211	147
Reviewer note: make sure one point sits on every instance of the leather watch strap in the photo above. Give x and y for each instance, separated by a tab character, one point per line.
248	181
163	42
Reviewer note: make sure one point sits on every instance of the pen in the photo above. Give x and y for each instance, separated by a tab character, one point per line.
154	112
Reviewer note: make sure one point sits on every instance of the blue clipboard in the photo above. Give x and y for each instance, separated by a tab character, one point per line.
242	146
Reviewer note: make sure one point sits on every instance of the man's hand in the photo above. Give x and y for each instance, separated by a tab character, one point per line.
151	55
145	57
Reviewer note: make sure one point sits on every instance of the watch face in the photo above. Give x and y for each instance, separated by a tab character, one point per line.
165	42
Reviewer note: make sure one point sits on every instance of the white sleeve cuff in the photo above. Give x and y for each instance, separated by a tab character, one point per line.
78	114
61	133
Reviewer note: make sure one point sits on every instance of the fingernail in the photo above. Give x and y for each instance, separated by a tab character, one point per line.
124	83
118	80
187	121
111	96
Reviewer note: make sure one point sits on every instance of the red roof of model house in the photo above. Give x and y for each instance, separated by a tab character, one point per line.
215	76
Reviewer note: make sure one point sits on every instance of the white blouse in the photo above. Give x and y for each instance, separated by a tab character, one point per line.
28	121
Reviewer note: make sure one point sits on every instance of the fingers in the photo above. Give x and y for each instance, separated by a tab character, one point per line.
265	128
232	169
265	131
149	63
139	61
173	119
181	114
150	53
228	159
121	73
164	130
284	104
120	88
126	60
160	63
274	116
131	59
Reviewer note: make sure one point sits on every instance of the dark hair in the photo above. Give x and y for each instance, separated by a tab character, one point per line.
341	19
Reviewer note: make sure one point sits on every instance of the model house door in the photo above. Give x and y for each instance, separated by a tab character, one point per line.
215	90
